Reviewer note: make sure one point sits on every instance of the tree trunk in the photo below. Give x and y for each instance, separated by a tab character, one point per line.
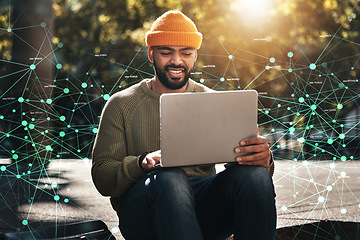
33	68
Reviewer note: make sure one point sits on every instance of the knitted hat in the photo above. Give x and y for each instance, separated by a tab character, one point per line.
173	28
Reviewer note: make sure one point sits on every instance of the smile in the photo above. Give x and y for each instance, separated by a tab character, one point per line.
175	71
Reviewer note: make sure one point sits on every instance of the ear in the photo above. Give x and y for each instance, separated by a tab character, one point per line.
195	55
150	54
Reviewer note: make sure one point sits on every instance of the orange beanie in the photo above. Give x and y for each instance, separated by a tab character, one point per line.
173	28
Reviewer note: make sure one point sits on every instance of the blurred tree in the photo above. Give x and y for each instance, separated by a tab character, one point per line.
27	104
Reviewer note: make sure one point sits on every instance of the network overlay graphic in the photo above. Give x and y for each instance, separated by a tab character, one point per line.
309	111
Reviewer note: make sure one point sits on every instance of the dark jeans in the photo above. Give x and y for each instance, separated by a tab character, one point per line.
169	205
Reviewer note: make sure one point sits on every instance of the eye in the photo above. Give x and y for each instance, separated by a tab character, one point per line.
165	53
187	54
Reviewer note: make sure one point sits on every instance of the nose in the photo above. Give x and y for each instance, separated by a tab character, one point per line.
176	59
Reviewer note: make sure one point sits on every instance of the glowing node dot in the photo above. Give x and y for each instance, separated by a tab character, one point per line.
115	229
272	60
24	123
66	90
301	99
15	156
222	79
330	141
343	174
290	70
95	130
321	199
342	136
3	168
43	24
313	107
290	54
312	66
62	134
32	67
56	198
25	222
84	85
48	101
329	188
283	208
343	211
66	200
332	165
230	57
291	129
86	160
340	106
343	158
62	118
21	99
202	80
31	126
48	148
60	45
58	66
267	67
106	97
305	163
301	140
9	30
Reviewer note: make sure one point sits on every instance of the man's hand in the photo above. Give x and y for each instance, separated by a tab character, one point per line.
259	149
151	159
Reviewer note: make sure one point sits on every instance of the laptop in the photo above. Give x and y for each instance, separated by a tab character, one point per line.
205	127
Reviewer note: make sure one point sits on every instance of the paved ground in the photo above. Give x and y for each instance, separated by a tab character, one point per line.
306	192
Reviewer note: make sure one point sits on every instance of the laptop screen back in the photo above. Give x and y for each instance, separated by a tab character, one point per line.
205	128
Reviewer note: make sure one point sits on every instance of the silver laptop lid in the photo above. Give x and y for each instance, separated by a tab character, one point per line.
204	128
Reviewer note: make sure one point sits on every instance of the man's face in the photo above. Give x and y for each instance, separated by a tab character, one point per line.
173	64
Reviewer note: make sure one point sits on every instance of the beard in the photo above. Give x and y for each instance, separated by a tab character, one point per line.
172	83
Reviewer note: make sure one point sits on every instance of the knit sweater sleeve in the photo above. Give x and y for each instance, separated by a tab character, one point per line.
113	171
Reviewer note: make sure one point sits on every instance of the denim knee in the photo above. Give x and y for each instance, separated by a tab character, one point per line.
170	183
250	179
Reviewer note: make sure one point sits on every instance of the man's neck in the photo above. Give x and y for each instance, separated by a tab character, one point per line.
156	86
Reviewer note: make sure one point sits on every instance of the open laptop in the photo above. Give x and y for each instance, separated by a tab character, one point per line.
204	128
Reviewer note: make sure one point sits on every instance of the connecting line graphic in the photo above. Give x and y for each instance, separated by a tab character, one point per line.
308	110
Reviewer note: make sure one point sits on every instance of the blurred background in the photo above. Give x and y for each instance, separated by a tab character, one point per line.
62	59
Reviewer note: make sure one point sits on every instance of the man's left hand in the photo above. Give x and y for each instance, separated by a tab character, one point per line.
259	150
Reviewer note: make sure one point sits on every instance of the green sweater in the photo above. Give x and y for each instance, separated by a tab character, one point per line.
130	126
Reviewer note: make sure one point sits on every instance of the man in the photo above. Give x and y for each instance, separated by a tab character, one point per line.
177	203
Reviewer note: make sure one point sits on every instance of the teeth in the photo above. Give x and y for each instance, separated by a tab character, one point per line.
175	72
